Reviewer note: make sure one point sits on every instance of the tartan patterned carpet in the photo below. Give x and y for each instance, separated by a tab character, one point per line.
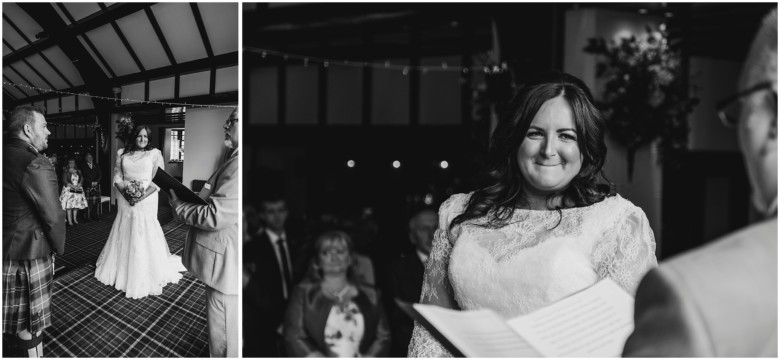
94	320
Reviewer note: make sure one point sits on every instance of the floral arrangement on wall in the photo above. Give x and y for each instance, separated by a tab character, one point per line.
646	96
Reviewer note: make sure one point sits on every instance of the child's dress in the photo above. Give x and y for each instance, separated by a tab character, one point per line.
70	198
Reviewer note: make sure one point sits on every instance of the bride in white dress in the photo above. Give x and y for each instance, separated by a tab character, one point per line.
542	228
136	258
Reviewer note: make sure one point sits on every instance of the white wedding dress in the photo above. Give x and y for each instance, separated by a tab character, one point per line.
531	262
136	258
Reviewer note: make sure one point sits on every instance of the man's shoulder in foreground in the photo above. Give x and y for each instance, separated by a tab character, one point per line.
718	300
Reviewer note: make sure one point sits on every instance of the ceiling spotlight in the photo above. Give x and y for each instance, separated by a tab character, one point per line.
351	163
396	164
668	14
643	11
444	164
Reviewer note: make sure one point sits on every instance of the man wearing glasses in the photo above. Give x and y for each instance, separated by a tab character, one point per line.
211	249
721	300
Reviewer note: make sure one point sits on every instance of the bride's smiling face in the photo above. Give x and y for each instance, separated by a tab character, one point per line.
142	139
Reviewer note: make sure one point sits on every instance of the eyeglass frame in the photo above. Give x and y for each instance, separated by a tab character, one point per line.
725	103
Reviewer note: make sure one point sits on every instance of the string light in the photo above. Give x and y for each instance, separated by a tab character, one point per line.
405	69
113	99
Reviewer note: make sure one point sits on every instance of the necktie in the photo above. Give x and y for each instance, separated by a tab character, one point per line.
285	264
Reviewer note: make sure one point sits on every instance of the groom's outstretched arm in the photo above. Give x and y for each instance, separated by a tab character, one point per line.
222	209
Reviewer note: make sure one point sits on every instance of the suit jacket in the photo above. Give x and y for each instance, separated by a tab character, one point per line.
33	219
307	314
716	301
211	248
404	279
90	175
263	297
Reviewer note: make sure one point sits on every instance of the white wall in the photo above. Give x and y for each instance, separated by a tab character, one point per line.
645	189
204	145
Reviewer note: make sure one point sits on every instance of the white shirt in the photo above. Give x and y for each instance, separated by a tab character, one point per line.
273	237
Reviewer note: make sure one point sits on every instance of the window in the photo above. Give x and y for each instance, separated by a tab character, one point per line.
177	145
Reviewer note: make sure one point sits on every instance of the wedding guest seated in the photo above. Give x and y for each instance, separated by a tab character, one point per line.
270	258
404	278
330	313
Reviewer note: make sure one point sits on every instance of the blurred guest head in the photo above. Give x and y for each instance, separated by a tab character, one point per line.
88	158
548	145
273	212
72	163
422	226
54	160
757	119
28	123
333	256
253	221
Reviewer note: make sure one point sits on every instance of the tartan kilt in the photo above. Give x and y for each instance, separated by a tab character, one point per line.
27	288
93	195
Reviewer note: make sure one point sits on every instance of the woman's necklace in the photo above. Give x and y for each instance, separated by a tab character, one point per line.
339	294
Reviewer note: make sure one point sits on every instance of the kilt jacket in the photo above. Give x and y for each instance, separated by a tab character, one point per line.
33	219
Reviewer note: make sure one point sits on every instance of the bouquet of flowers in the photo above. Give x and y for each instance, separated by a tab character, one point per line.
134	189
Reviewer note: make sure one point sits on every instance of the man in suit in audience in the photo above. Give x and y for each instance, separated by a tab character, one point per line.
211	249
33	231
721	300
92	176
404	279
270	258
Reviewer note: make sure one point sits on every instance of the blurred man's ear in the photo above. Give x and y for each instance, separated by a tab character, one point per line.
773	129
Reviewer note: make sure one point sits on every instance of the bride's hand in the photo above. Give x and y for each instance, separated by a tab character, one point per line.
149	191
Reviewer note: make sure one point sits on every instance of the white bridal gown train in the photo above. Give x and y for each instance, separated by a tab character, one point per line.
136	258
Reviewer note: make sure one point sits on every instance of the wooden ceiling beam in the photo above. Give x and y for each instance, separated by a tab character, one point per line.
98	19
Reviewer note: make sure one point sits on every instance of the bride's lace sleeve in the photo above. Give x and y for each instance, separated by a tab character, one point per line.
436	287
118	176
159	162
627	250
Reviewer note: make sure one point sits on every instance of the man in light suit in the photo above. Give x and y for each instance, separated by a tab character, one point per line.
211	248
721	300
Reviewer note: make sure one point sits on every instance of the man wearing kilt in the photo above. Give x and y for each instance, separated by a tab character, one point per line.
33	230
92	178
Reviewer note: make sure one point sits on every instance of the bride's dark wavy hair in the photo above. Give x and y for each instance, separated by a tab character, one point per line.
503	186
130	142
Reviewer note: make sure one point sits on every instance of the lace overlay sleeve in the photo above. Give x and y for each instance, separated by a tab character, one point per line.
627	250
436	287
159	162
118	178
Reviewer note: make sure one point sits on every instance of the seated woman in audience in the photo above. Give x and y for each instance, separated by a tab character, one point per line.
330	313
545	225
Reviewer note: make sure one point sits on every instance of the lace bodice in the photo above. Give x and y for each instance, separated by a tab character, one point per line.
137	165
531	262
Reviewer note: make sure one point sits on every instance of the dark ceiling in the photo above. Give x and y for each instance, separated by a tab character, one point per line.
356	31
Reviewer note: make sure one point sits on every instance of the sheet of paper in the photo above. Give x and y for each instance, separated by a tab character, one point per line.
592	323
477	333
